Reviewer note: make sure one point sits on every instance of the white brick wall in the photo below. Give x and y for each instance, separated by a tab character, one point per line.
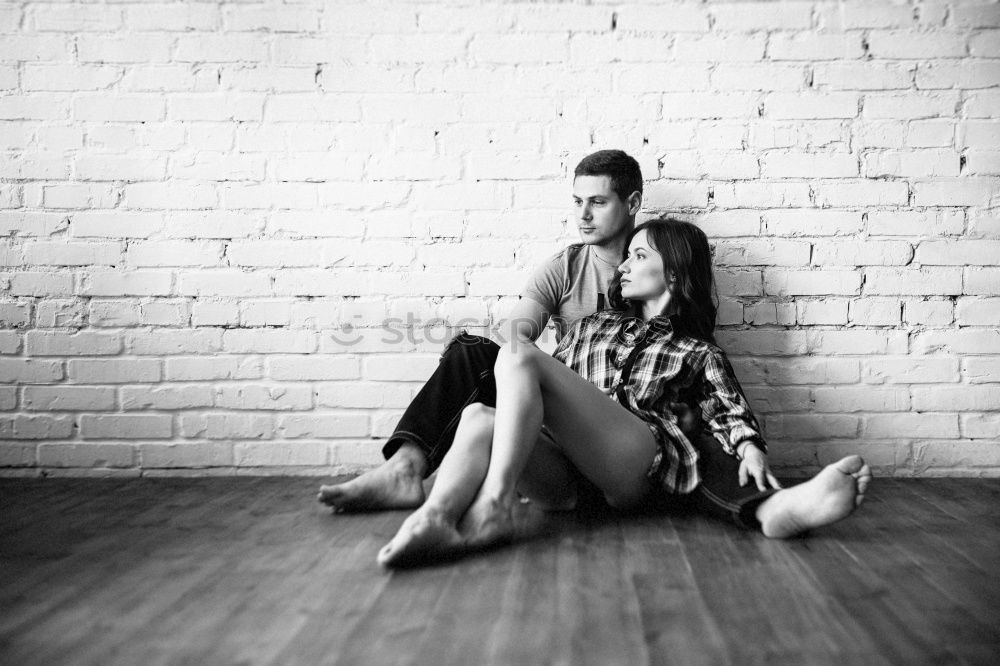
195	198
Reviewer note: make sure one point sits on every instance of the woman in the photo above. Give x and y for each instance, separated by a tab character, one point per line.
604	400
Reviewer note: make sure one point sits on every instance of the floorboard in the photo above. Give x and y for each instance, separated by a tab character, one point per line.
254	571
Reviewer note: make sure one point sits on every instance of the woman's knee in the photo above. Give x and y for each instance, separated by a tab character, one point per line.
517	358
478	415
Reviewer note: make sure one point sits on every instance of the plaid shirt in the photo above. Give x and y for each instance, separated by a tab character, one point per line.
669	367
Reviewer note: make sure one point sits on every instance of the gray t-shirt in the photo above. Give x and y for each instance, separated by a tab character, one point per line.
570	285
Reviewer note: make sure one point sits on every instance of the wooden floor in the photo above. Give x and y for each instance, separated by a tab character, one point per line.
224	571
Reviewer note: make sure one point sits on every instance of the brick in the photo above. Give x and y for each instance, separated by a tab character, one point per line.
196	368
499	49
160	312
323	426
173	253
878	134
115	225
216	107
269	195
36	47
263	396
312	367
127	49
280	454
30	283
211	312
897	426
985	44
125	426
113	371
60	343
861	193
15	315
875	312
811	283
28	370
35	166
186	454
911	370
961	341
856	342
951	456
861	399
750	16
809	106
69	78
223	283
765	194
958	253
663	17
172	17
13	454
984	426
909	105
763	313
956	398
930	133
732	282
719	47
68	398
135	283
810	426
159	342
227	426
929	312
675	194
811	223
427	48
730	223
72	254
10	342
76	18
763	76
215	224
919	163
80	195
975	16
221	48
981	370
760	253
34	107
822	312
798	371
978	311
241	18
36	427
268	341
982	162
814	46
915	223
89	455
169	196
166	397
296	49
861	253
966	75
709	105
763	342
780	164
906	44
863	75
912	281
955	192
92	166
978	134
364	395
770	399
982	104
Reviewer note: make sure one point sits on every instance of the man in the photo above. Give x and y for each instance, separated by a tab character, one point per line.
607	194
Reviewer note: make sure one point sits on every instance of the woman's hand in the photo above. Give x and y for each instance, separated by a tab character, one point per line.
754	464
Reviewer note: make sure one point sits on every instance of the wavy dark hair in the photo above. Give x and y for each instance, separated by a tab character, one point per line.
620	167
687	254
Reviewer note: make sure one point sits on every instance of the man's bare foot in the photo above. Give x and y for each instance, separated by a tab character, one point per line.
425	536
395	484
826	498
487	522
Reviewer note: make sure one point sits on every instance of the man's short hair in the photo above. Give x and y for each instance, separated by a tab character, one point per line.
619	166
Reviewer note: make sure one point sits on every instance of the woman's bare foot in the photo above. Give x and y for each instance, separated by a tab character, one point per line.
425	536
487	522
395	484
826	498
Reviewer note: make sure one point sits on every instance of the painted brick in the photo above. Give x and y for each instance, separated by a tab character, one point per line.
982	281
985	426
915	223
893	426
955	192
810	426
828	312
956	398
960	253
961	341
126	426
227	426
978	311
928	312
323	426
312	367
195	368
811	283
875	311
166	397
260	454
912	281
811	223
864	399
91	454
911	370
186	454
263	396
68	398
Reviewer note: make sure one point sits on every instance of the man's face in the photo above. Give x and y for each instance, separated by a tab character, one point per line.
601	216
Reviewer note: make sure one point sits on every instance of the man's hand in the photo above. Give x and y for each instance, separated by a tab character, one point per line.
754	464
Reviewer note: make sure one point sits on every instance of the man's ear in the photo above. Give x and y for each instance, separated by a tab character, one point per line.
634	202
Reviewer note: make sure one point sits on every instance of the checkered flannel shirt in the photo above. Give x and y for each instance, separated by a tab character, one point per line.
669	367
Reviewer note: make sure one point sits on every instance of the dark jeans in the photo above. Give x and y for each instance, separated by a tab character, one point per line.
465	375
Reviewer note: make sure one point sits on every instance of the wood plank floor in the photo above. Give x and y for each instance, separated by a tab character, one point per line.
253	570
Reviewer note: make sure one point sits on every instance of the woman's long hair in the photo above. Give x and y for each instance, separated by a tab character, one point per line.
686	253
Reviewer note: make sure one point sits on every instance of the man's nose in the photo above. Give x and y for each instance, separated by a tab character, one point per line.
585	212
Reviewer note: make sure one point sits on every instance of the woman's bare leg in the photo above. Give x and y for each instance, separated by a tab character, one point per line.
611	446
430	531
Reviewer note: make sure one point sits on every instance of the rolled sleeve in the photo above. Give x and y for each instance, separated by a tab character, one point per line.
725	408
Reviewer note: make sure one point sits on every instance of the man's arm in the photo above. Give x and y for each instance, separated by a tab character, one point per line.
527	321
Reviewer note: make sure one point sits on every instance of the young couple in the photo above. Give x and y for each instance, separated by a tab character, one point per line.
634	314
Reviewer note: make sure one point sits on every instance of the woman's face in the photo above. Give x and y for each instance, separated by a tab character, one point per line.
642	272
